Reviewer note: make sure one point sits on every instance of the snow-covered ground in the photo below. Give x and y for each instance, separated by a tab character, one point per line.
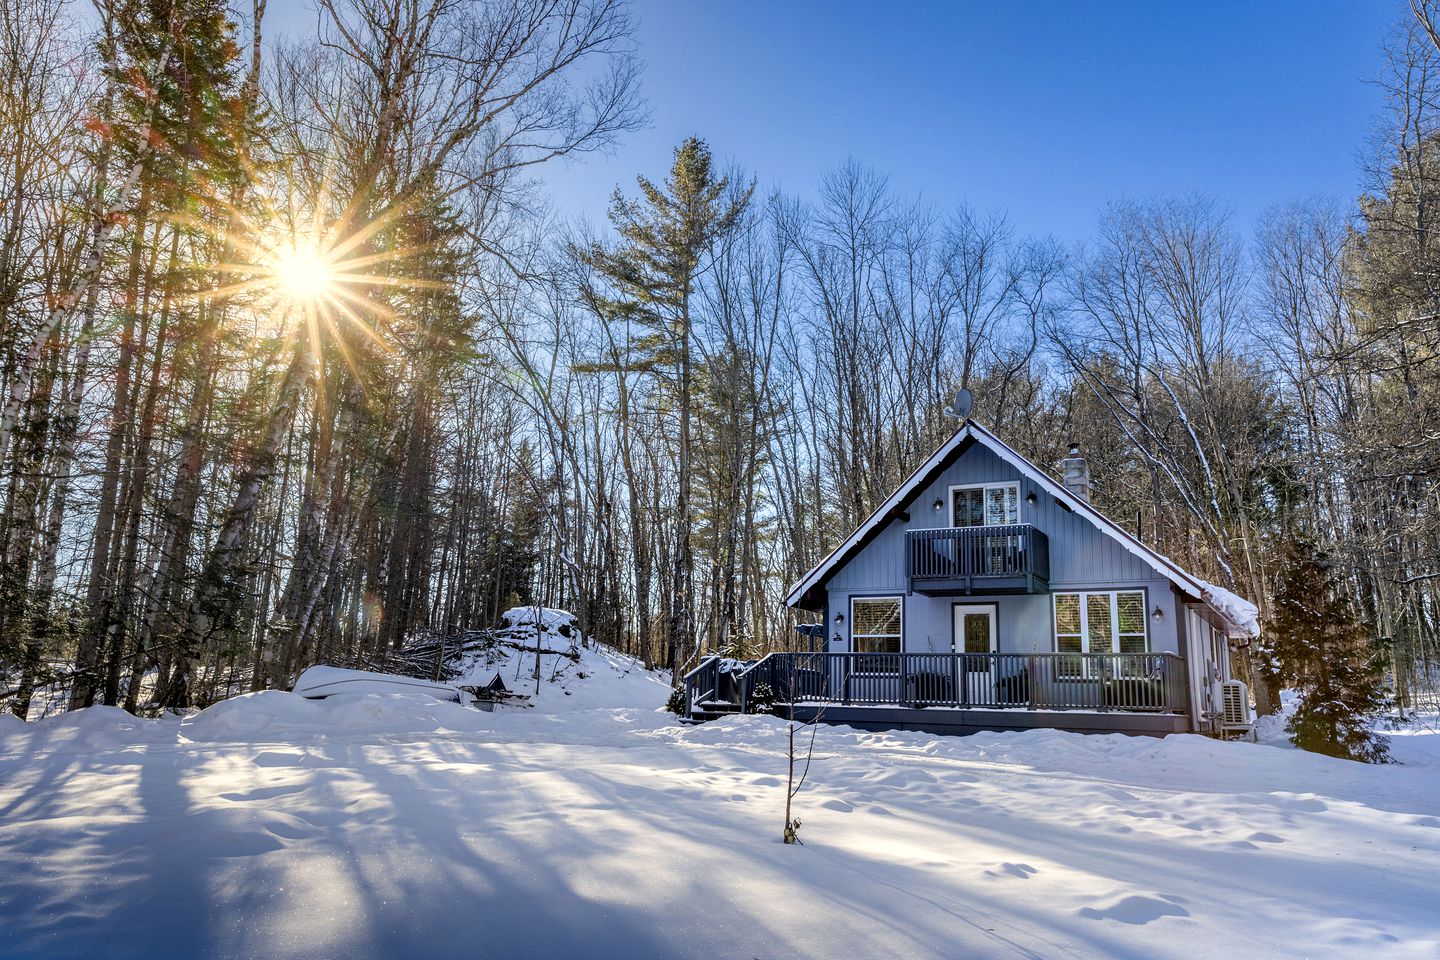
399	826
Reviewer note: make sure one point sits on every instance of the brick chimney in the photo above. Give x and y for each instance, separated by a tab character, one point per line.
1076	473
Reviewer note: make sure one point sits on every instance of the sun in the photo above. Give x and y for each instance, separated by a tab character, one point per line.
303	274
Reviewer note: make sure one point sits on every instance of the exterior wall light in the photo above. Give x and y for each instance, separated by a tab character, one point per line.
938	505
1158	615
1030	498
839	619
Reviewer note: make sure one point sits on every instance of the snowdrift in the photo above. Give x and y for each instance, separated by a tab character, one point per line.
393	824
317	683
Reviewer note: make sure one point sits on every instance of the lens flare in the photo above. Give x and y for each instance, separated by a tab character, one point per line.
303	274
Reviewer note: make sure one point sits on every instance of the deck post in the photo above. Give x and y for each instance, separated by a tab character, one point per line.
1033	675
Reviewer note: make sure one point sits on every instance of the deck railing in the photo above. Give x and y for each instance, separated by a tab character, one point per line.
1130	682
959	553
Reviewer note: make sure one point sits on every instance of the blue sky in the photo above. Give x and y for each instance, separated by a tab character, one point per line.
1043	109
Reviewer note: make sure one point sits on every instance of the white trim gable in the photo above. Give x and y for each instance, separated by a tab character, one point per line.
1161	564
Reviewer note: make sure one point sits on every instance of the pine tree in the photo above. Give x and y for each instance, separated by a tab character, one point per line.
654	273
1322	651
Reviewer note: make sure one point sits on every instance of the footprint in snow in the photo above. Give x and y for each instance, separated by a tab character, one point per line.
235	845
278	758
1022	871
264	793
1136	909
1302	804
288	831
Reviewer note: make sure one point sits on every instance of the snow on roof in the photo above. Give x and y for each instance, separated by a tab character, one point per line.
1240	613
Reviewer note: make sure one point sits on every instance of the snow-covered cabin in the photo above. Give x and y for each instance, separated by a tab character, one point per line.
983	594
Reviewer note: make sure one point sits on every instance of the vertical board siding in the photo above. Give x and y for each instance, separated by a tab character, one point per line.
1081	558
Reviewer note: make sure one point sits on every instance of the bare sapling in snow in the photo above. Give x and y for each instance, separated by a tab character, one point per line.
539	620
794	783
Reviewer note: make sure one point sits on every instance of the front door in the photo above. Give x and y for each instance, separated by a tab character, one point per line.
974	634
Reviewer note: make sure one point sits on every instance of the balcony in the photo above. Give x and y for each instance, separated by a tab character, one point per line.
959	561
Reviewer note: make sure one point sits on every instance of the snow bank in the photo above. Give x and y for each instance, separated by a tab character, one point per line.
323	681
1241	613
273	715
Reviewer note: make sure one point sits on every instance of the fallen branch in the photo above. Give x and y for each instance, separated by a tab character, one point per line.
573	655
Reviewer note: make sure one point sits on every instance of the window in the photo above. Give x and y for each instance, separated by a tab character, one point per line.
985	505
1068	626
875	624
1099	622
1130	622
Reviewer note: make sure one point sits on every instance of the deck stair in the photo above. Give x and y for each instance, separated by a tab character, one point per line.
713	710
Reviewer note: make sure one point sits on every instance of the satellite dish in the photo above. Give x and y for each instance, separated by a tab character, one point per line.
960	406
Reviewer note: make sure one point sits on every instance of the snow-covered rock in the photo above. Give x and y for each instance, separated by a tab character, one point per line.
564	671
551	621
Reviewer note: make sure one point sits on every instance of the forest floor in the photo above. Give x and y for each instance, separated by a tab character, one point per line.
397	826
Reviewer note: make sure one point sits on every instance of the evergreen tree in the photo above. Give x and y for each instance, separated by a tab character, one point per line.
654	272
518	558
1321	650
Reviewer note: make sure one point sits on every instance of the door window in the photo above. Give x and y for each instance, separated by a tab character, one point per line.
975	628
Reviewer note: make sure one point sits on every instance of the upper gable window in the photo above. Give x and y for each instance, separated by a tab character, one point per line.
985	505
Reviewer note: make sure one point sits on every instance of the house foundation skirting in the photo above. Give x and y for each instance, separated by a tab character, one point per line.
950	720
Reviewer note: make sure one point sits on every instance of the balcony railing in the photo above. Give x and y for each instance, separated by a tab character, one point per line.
1009	558
1127	682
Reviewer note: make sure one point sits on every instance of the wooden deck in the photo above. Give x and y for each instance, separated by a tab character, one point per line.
1138	693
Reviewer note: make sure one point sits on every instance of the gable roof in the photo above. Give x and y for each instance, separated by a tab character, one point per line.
807	589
